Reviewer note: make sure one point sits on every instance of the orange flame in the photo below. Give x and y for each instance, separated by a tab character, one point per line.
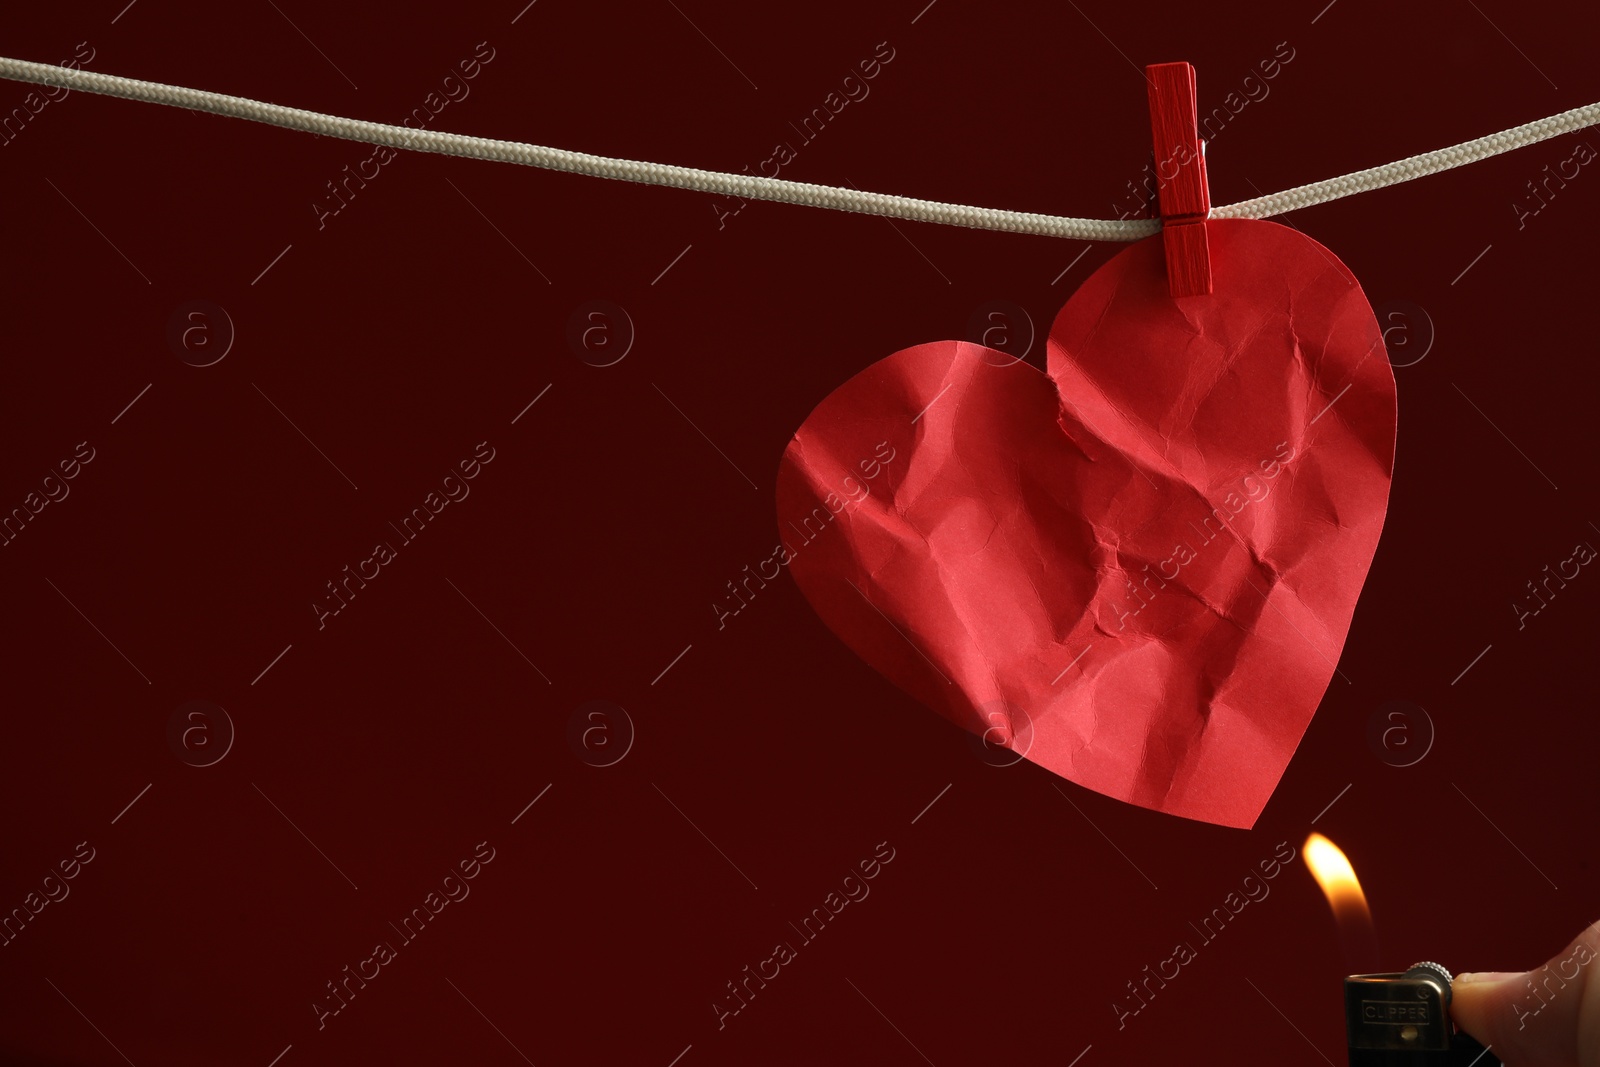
1338	881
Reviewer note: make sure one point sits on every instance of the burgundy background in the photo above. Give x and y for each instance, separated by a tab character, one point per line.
408	729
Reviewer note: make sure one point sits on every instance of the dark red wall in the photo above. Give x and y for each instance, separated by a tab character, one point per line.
370	357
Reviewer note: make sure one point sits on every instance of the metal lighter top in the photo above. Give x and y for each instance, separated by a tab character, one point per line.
1403	1020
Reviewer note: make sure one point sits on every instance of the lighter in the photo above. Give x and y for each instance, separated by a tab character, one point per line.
1403	1020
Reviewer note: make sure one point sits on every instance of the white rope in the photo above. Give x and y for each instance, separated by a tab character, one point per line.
1415	167
754	187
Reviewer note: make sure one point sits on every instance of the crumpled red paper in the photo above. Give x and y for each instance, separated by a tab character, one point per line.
1139	570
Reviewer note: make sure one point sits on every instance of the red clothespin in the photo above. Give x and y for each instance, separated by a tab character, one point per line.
1182	192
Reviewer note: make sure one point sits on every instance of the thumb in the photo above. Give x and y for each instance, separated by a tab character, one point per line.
1546	1017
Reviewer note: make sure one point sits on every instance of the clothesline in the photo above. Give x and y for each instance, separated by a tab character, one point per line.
756	187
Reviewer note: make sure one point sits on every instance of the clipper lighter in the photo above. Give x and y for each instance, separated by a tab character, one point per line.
1403	1020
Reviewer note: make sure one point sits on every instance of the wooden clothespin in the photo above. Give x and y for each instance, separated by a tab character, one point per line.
1182	192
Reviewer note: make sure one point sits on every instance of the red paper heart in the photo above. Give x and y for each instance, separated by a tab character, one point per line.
1138	571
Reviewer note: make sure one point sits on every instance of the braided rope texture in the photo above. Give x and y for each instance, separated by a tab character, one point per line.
754	187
